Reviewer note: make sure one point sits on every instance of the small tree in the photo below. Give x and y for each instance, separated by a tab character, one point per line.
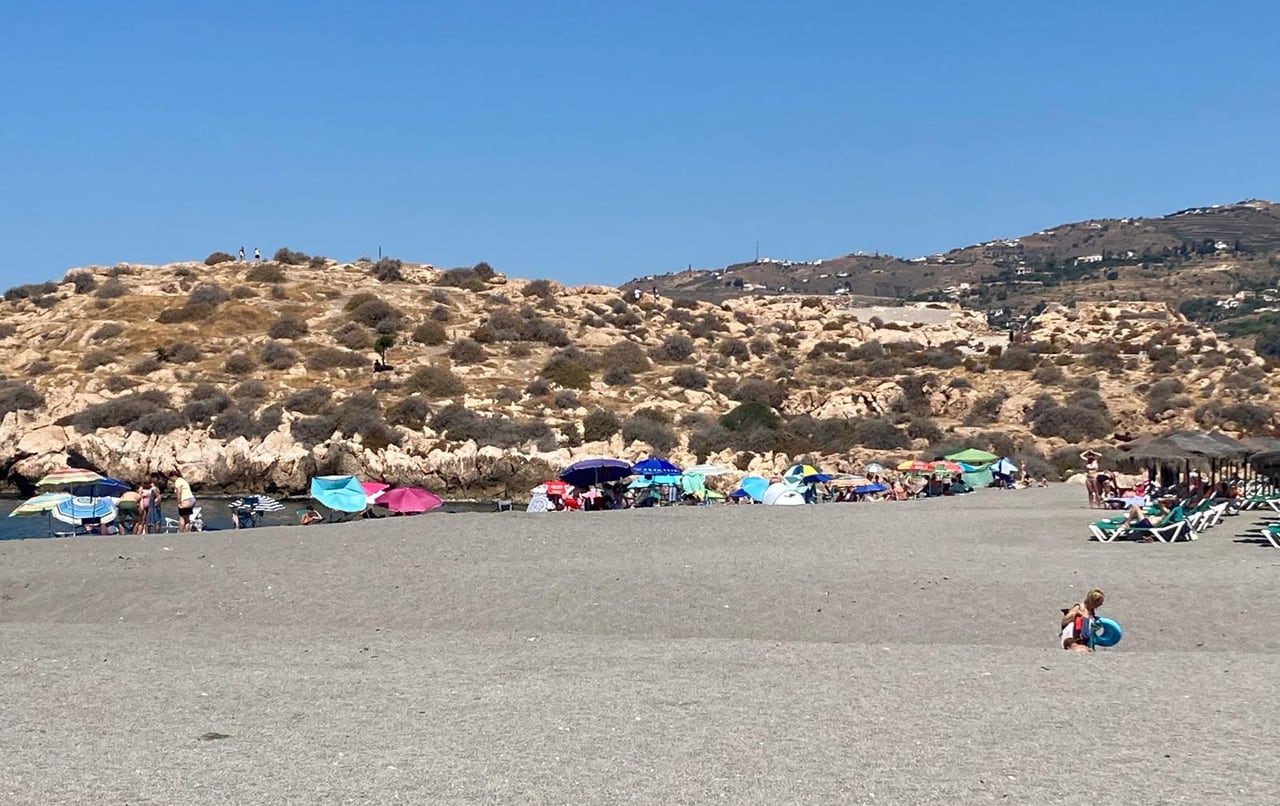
385	342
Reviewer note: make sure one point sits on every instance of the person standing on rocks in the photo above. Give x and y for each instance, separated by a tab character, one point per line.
257	256
242	254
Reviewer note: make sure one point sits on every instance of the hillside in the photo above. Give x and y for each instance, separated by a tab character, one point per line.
258	376
1208	252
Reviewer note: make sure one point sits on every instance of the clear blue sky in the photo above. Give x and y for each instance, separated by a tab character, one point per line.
596	141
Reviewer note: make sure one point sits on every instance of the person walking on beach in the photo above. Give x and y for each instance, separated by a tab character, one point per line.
1076	619
1091	477
186	500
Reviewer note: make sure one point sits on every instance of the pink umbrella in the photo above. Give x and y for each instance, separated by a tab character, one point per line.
373	490
409	499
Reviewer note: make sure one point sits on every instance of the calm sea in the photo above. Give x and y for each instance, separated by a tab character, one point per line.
217	516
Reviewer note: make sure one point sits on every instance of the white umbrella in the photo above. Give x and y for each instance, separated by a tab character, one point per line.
875	467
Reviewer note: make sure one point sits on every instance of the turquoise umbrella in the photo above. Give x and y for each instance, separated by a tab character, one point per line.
339	493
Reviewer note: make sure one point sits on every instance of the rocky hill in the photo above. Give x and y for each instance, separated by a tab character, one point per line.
254	377
1198	253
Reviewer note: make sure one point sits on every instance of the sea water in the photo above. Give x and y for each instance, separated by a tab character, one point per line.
215	511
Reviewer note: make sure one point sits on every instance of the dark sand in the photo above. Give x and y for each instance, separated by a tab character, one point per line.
892	653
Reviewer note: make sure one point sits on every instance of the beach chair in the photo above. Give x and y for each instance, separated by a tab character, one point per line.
197	522
1176	526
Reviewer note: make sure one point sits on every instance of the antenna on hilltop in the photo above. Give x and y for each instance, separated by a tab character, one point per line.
757	251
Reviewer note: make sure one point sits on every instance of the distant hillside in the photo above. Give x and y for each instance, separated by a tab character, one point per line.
255	376
1204	252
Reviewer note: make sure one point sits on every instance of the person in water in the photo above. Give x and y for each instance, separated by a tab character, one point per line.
1075	621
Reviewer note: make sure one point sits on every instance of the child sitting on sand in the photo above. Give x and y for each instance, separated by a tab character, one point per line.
1074	621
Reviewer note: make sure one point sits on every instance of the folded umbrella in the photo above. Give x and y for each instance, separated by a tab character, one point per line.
373	489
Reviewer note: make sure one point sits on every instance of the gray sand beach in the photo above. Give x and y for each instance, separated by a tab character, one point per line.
871	653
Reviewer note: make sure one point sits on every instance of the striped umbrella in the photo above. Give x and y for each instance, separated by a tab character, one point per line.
44	503
69	475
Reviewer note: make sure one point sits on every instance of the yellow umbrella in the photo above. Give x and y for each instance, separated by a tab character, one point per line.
68	475
44	502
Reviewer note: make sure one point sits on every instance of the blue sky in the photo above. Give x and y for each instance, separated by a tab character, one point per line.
595	141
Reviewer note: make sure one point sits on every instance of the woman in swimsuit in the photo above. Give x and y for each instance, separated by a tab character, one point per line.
1091	478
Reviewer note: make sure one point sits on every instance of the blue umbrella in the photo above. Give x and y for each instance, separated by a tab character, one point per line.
79	509
655	466
102	488
755	486
339	493
595	471
870	488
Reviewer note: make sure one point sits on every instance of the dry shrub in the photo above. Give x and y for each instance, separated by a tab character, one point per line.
435	382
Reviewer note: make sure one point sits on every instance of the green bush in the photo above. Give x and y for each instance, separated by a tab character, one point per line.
411	412
316	400
567	372
287	327
369	310
689	378
311	431
327	358
431	333
206	402
599	425
107	330
266	273
748	414
111	289
768	392
659	436
289	257
277	356
435	382
17	396
986	410
388	270
467	351
185	313
626	355
100	357
676	347
122	411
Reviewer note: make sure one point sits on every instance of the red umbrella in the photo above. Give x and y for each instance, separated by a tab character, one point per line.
950	467
409	499
556	487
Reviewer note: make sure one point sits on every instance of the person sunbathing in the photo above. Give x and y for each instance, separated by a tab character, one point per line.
1137	519
309	516
1076	621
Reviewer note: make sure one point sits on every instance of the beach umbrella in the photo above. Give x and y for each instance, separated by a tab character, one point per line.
1005	467
339	493
755	486
707	470
949	467
864	489
69	475
595	471
102	488
373	489
655	466
409	499
257	503
875	467
42	504
78	509
555	487
915	466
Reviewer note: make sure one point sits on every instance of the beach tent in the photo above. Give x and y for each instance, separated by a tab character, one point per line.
980	476
781	495
339	493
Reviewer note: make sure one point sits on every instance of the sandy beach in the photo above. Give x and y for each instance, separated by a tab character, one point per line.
873	653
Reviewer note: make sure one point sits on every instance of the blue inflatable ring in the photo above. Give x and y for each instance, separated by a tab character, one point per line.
1106	632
